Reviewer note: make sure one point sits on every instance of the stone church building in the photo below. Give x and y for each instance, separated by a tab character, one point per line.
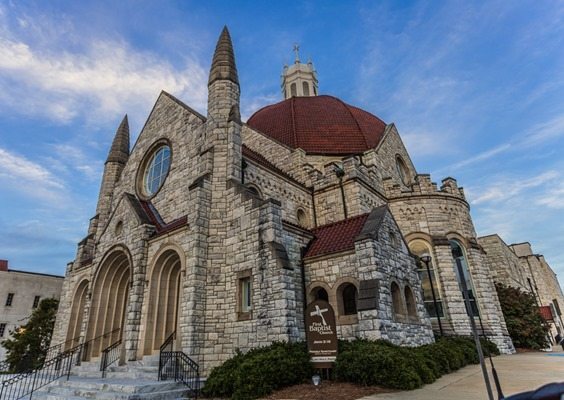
222	231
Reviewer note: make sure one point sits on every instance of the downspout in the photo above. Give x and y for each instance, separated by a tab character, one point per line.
340	172
314	208
243	167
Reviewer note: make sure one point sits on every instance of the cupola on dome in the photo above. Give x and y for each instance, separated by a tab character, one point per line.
319	125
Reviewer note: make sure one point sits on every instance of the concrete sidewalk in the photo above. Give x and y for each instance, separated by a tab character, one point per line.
517	373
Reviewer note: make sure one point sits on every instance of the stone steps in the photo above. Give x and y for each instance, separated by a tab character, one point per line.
96	388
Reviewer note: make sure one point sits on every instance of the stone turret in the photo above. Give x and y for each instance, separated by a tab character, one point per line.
117	158
223	83
224	117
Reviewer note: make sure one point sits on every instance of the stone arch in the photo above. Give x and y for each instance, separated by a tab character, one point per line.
254	190
346	293
312	289
410	304
110	295
77	314
165	290
302	217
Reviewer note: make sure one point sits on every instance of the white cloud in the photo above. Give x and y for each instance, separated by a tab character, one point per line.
99	80
34	180
554	198
506	188
480	156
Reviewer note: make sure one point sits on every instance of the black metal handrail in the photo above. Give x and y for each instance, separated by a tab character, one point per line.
4	366
109	356
178	366
55	350
24	384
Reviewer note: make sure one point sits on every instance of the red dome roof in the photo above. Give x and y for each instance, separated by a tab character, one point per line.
319	125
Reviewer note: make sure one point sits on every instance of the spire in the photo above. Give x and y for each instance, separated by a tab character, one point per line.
119	152
223	64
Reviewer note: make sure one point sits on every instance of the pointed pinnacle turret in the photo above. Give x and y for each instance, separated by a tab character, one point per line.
119	152
223	64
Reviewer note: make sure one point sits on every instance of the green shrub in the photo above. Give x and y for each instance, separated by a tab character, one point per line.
382	363
263	370
522	317
260	371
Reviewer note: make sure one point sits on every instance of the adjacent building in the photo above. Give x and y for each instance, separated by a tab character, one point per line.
20	293
518	266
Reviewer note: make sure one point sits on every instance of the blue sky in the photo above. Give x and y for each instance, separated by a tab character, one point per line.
476	90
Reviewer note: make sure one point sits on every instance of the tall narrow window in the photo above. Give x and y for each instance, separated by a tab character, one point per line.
245	289
36	301
2	329
293	90
306	88
348	297
397	304
9	299
458	254
421	248
410	302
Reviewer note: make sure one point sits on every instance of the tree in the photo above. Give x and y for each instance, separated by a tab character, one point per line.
522	317
28	346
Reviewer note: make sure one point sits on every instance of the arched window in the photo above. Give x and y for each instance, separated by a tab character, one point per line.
421	248
293	90
348	298
318	293
458	254
254	190
410	302
305	88
403	171
302	218
397	304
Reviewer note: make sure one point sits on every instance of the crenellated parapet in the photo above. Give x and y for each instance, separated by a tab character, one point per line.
423	186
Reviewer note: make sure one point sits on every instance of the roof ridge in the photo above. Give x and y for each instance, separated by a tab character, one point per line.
341	221
294	122
355	120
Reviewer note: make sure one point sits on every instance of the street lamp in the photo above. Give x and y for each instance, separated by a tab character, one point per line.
426	258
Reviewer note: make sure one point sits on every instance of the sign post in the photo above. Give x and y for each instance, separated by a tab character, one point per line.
321	331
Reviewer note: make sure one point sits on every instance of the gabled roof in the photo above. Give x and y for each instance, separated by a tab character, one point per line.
336	237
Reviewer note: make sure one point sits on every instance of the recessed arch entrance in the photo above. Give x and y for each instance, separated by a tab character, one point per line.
77	314
164	300
110	294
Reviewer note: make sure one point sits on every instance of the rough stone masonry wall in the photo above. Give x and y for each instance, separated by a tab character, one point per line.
503	263
291	195
387	259
437	216
178	125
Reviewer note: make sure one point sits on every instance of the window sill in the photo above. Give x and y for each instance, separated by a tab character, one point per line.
348	319
244	316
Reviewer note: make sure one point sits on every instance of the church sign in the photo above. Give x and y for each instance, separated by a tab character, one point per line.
321	333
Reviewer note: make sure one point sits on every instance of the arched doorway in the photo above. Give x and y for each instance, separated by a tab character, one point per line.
77	314
164	300
109	302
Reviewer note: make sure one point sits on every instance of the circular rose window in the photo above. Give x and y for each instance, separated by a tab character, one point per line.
156	170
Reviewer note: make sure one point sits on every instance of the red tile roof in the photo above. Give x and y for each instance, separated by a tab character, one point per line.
160	225
336	237
320	125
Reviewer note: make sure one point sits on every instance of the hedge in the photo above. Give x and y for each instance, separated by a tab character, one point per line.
260	371
382	363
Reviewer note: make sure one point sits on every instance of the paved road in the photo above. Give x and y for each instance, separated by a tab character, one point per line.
517	373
